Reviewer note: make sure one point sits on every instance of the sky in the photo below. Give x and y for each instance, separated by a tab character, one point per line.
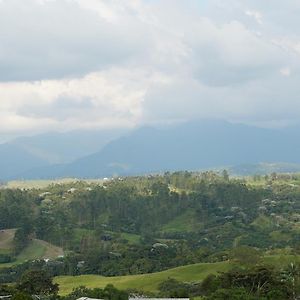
94	64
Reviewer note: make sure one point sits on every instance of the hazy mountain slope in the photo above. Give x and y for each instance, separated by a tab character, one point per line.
57	147
14	161
189	146
19	156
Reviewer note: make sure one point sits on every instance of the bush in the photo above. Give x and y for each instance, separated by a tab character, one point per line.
6	258
233	294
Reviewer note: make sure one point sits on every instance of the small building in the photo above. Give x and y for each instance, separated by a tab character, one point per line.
160	245
80	264
42	195
87	298
159	298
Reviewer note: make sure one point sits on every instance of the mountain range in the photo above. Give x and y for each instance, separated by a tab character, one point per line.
189	146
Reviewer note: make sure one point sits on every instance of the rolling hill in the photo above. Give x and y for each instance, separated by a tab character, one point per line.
144	282
150	282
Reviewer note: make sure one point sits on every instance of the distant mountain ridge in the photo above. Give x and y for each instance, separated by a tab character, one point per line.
263	169
55	147
15	160
26	153
190	146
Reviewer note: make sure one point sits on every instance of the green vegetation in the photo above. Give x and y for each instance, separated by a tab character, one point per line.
130	237
135	232
39	249
144	282
186	222
190	273
36	249
6	239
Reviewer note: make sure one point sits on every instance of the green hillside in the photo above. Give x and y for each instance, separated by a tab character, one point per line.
183	223
144	282
150	282
112	232
37	249
6	240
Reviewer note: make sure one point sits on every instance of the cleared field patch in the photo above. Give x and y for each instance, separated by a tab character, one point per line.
131	238
185	223
51	250
37	249
6	239
144	282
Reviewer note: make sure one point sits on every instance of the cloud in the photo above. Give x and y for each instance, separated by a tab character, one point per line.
67	64
110	98
56	39
262	102
286	71
256	15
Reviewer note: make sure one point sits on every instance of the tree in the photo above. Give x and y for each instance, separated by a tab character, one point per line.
173	288
225	175
291	276
258	281
21	240
210	284
109	292
37	282
233	294
246	256
21	296
7	290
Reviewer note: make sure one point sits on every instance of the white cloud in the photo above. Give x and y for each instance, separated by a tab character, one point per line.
286	71
111	98
67	64
256	15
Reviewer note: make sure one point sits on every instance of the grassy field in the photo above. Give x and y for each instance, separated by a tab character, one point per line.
36	249
184	223
130	237
144	282
6	240
150	282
